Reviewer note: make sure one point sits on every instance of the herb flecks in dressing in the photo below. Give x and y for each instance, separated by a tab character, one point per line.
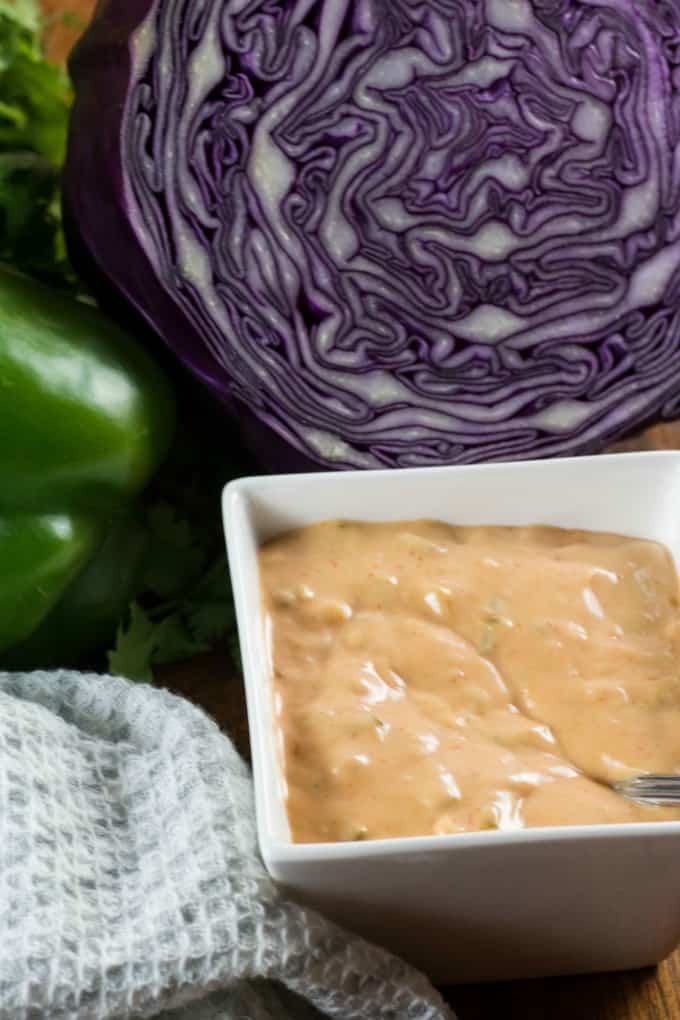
440	679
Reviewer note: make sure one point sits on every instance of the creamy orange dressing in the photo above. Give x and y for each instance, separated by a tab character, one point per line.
438	679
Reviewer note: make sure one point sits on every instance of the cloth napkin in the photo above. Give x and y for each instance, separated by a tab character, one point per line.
130	881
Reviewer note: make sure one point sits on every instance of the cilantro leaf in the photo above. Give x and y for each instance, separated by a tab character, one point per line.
174	641
175	555
142	643
210	620
22	13
186	591
34	107
135	642
156	634
210	612
36	94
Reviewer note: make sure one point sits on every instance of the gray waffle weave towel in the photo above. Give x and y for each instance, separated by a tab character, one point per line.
130	883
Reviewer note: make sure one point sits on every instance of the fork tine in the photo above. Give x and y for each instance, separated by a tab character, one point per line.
655	778
658	799
652	788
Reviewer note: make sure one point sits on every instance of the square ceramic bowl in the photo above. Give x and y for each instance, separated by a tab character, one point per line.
481	905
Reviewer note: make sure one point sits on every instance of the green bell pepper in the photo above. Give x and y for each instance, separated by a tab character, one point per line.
86	418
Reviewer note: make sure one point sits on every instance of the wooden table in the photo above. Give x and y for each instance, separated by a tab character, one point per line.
651	994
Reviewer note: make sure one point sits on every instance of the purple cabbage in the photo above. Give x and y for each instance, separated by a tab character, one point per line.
393	232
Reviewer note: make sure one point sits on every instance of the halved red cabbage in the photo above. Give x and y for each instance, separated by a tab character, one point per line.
394	232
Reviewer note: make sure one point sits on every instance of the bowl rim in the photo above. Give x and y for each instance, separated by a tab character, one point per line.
277	851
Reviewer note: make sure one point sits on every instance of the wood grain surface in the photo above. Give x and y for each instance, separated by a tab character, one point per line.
64	21
651	994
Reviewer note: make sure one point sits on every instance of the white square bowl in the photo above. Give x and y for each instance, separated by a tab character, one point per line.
482	905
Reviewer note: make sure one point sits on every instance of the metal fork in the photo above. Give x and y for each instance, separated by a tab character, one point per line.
651	788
